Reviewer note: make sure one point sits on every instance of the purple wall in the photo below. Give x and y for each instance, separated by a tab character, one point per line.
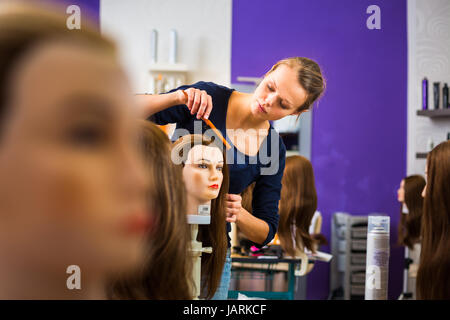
359	127
90	9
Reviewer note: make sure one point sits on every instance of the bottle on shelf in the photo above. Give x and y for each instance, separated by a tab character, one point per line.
445	97
425	94
436	91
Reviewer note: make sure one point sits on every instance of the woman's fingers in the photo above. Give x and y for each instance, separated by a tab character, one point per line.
197	100
208	108
203	104
233	205
190	97
233	197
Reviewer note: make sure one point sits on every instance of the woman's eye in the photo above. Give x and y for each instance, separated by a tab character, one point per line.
269	87
203	166
283	106
86	136
220	168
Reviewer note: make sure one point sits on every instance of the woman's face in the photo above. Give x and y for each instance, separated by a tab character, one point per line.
72	184
401	192
202	172
278	95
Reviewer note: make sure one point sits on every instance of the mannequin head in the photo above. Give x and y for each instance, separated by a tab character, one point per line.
203	167
433	279
409	194
169	244
199	175
72	183
297	204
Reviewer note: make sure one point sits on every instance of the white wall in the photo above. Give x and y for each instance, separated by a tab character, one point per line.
204	36
429	55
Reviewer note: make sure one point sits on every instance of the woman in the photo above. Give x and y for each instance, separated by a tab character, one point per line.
433	277
258	153
409	195
206	176
169	244
72	183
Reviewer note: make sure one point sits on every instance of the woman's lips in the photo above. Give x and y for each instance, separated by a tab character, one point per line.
138	223
261	108
214	186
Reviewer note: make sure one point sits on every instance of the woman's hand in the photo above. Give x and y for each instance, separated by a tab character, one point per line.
233	207
198	101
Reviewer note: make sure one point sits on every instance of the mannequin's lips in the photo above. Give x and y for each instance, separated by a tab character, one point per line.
214	186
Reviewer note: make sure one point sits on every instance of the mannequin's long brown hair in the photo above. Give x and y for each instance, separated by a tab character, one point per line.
214	234
167	273
409	226
298	203
433	276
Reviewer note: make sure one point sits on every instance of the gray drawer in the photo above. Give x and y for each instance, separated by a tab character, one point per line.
357	290
358	259
359	245
359	233
359	277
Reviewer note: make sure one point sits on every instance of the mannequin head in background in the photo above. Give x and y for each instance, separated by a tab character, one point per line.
72	181
409	195
203	164
297	205
433	278
169	243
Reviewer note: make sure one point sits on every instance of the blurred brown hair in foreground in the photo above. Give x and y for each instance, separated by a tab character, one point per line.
167	271
72	182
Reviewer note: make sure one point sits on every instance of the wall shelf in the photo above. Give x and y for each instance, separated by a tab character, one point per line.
421	155
437	113
168	67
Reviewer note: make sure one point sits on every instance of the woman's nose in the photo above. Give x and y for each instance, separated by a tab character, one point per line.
271	98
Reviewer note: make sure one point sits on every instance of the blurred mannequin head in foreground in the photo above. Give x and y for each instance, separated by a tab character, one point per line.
72	182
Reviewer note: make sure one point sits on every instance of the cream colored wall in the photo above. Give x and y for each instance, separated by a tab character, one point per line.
204	36
429	55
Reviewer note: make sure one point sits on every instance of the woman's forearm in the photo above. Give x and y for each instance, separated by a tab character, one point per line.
149	104
253	228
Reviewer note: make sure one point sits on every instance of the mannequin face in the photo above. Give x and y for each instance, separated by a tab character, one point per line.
202	173
72	183
401	192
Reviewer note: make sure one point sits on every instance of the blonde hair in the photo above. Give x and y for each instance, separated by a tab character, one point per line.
309	77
